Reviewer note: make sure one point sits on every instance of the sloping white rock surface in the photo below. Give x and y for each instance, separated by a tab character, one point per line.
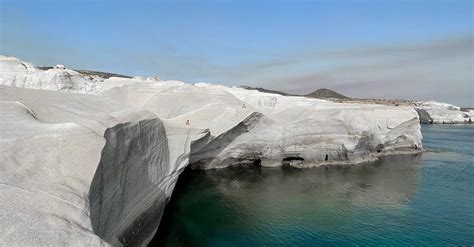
17	73
308	132
441	113
247	126
81	170
98	169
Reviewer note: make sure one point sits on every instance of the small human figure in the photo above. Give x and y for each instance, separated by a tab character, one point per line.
243	106
187	122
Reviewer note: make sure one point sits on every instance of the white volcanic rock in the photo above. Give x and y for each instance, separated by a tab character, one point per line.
470	113
444	113
44	179
82	170
17	73
248	126
308	132
78	166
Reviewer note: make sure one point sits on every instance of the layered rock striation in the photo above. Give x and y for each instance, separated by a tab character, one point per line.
94	161
442	113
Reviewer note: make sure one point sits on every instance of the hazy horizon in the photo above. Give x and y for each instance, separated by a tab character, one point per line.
421	50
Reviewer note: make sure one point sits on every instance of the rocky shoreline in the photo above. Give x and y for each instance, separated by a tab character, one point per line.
94	161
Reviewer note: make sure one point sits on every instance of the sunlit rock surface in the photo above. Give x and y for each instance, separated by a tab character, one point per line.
443	113
96	162
73	164
307	132
17	73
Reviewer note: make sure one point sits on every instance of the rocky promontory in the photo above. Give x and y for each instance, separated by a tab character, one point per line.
88	160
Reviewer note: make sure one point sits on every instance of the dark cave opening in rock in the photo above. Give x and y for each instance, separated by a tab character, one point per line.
292	159
257	162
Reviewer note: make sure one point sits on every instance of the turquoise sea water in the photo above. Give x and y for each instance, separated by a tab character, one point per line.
425	199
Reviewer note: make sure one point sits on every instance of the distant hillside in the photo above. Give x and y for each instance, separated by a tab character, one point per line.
324	93
267	90
105	75
334	96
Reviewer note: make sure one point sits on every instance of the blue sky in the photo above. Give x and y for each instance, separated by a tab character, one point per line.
391	49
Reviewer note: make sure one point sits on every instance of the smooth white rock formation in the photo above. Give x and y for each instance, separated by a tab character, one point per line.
17	73
248	126
443	113
80	169
307	132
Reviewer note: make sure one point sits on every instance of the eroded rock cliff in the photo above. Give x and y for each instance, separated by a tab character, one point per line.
98	168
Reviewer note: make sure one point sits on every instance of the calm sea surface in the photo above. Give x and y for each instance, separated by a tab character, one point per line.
425	199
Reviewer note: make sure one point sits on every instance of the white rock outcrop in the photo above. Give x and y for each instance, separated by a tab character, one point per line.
83	170
98	168
17	73
308	132
443	113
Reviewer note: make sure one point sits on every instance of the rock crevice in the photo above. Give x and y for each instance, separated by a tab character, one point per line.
125	197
